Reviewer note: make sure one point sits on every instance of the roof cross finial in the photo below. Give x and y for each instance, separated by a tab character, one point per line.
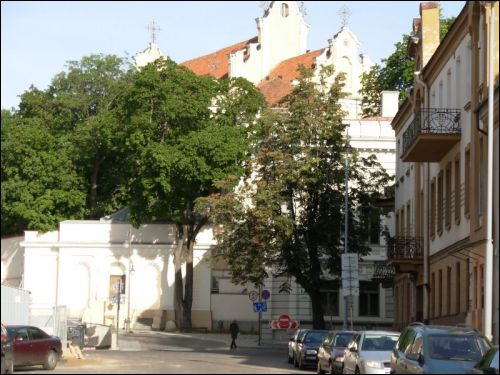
153	29
344	14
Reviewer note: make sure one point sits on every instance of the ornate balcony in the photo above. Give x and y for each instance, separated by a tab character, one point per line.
405	250
432	133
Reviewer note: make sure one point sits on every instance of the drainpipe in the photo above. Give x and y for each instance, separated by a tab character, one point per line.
418	78
488	282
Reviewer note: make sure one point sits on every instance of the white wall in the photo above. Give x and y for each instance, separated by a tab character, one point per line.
12	261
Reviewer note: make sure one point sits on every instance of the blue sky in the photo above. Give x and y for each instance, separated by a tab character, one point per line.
38	38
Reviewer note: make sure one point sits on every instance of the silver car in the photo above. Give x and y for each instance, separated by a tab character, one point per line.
369	352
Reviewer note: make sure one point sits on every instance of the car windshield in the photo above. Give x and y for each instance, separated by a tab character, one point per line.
342	339
315	336
457	347
379	342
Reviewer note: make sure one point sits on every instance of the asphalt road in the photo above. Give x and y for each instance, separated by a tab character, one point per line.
176	354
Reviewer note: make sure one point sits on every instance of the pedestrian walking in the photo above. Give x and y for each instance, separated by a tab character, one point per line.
234	329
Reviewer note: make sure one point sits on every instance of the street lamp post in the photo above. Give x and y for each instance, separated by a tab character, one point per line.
130	272
346	217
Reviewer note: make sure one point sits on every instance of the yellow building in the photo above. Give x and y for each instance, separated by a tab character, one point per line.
441	173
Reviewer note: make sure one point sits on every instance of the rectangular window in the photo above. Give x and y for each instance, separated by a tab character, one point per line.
397	223
368	298
330	302
408	220
481	284
432	219
475	287
448	196
457	290
440	205
458	191
467	184
440	291
481	176
402	217
448	290
433	295
375	229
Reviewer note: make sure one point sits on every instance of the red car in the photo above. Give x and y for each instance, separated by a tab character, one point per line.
32	346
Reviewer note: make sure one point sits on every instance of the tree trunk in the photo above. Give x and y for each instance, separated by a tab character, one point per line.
178	287
317	309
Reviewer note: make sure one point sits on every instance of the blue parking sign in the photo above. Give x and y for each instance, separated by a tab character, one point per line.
259	307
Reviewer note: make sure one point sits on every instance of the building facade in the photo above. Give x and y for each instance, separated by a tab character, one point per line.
439	247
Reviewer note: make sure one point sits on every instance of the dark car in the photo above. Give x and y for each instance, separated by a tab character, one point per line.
32	346
307	348
292	344
488	364
437	349
331	352
7	356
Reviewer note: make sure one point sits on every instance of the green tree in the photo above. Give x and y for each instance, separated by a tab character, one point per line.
293	225
183	133
396	73
78	106
40	185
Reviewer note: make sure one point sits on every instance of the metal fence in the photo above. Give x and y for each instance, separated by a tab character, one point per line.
15	306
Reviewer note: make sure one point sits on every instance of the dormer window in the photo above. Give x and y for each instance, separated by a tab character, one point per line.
284	10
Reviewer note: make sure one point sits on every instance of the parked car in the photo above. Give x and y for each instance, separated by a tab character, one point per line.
307	348
7	356
331	351
488	364
32	346
437	349
292	344
369	352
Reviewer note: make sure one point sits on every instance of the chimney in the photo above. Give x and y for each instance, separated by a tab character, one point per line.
390	103
429	29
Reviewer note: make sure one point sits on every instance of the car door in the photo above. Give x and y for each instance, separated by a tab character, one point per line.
398	360
351	355
410	363
22	346
40	344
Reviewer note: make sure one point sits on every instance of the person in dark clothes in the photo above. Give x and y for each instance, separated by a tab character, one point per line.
234	329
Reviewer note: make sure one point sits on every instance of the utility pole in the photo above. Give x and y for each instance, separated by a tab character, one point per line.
346	221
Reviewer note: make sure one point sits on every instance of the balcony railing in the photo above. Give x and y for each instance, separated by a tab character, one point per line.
440	123
408	248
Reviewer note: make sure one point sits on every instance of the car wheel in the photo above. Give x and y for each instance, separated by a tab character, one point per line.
357	370
51	361
290	359
295	362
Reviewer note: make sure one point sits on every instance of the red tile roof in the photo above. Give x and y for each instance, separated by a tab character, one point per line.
279	82
216	64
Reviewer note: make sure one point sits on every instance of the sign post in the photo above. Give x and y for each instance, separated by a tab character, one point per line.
118	290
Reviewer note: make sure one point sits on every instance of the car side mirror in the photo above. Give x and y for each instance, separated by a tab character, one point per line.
416	357
19	338
353	350
299	341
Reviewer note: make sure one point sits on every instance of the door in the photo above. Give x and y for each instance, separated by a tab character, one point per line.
22	347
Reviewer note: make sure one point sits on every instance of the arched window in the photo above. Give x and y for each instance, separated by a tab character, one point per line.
284	10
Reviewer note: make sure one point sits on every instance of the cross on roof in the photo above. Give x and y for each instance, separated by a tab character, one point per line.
153	29
344	14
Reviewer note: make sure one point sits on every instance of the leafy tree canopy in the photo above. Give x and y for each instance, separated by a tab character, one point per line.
287	218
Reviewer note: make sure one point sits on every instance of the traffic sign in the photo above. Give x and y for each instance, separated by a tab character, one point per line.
283	322
253	295
259	306
266	294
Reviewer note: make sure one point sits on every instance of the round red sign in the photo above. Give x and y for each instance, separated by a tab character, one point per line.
284	321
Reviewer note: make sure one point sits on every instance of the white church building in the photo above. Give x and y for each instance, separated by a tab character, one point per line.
80	264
